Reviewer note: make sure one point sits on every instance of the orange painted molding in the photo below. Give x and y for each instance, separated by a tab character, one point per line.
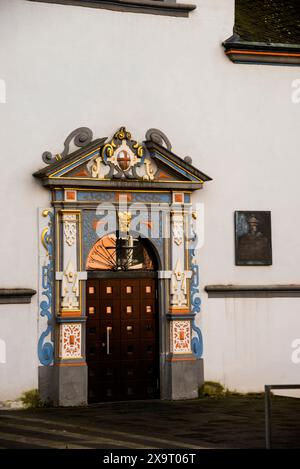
71	364
67	314
180	311
183	359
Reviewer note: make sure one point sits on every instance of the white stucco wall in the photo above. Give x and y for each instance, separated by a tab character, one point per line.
66	67
18	335
250	342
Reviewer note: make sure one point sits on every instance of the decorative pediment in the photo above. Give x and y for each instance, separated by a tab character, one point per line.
122	159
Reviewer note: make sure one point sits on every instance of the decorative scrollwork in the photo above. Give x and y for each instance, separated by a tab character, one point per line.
197	340
157	136
46	350
81	136
108	151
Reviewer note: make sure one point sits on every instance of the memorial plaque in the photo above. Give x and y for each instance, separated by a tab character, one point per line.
253	243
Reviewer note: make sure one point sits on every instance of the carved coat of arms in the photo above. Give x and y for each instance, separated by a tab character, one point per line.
123	158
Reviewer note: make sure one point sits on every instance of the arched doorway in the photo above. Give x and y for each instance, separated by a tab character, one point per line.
122	320
141	189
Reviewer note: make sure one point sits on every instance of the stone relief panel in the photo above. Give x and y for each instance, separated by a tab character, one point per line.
70	230
180	334
177	228
179	287
70	288
70	275
70	341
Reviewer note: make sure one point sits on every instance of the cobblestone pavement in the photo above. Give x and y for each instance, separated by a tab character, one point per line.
231	422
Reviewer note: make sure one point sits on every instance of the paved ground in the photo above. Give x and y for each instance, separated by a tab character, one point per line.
231	422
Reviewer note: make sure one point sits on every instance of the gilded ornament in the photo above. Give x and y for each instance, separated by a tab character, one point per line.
122	134
124	221
45	212
45	238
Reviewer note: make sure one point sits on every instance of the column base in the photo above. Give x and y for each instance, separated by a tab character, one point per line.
46	384
70	385
186	375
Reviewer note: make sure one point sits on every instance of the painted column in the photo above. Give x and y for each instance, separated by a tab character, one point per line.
184	372
70	365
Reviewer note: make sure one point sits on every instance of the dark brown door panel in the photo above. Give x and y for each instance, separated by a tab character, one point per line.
109	329
148	308
147	288
110	289
130	309
147	349
147	329
130	350
110	351
110	391
130	370
147	370
130	329
110	371
131	389
92	352
110	309
130	289
92	289
121	334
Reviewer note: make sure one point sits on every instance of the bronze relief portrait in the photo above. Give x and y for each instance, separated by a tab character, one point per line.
253	243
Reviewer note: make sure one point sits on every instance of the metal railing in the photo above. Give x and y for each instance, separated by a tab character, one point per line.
268	408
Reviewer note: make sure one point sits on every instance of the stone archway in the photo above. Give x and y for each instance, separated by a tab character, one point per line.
122	329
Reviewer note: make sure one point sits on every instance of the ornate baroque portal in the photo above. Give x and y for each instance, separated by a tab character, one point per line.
120	210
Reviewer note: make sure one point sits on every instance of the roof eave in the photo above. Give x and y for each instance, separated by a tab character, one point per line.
236	41
114	184
176	159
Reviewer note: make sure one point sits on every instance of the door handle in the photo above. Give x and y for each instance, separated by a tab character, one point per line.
108	331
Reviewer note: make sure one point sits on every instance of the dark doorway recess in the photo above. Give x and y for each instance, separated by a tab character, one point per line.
122	337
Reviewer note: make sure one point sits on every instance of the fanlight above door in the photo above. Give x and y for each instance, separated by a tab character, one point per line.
114	253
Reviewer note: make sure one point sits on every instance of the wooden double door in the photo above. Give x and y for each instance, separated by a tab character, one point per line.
122	339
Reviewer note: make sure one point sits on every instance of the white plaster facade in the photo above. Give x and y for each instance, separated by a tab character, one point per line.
66	67
248	342
18	365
